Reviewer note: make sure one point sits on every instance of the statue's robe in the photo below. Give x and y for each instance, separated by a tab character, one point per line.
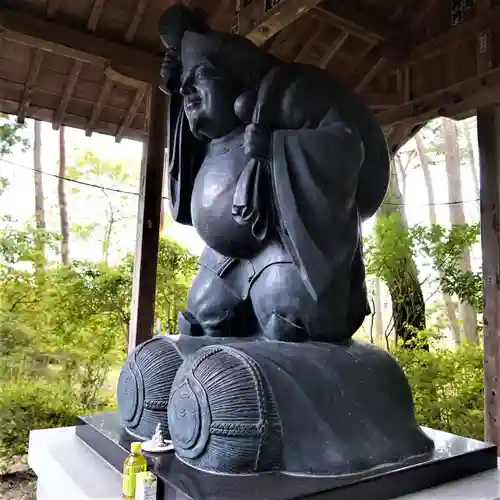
328	169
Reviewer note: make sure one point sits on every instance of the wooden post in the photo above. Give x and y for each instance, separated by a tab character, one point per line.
488	119
148	222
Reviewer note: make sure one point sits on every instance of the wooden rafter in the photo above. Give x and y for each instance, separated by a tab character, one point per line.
336	46
136	19
369	75
309	44
68	92
404	83
485	19
485	39
220	14
134	107
52	8
95	14
35	66
363	24
88	47
456	99
120	79
382	100
259	26
103	97
384	58
400	134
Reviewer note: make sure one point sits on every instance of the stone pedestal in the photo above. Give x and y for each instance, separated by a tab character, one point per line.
454	458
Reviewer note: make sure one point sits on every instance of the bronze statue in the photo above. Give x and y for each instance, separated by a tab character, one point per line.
278	168
275	165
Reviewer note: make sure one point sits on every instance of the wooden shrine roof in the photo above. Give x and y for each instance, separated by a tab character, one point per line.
89	63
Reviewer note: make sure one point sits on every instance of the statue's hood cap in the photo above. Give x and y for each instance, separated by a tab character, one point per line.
238	55
178	19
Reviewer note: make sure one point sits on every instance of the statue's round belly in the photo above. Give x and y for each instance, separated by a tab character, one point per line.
211	213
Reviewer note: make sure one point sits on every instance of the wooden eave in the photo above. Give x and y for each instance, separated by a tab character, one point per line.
91	63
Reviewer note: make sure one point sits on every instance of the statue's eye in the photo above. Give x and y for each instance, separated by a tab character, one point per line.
202	73
206	72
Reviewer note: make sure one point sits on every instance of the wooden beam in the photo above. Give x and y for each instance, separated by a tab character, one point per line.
103	97
405	83
120	79
10	106
95	15
399	135
457	34
68	92
258	25
383	100
449	101
360	23
135	21
138	98
484	39
148	223
52	8
70	42
372	72
309	44
488	129
385	58
35	66
336	46
220	15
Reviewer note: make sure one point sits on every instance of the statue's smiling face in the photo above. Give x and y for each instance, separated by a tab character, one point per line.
209	97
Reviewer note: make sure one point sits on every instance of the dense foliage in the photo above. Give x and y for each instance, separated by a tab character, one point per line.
447	386
10	134
63	330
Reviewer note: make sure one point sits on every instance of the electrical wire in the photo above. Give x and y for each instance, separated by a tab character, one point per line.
432	204
83	183
133	193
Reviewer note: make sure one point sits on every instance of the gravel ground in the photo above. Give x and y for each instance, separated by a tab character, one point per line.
17	480
18	486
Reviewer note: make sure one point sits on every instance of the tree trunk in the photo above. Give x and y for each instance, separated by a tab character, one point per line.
37	160
39	206
106	244
457	214
379	317
402	177
450	306
63	207
408	305
470	158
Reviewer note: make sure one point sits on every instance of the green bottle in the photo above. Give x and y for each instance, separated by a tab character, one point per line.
134	463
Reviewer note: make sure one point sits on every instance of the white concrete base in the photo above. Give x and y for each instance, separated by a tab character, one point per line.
68	470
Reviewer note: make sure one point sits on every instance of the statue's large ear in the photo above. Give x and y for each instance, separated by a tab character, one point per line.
245	105
185	156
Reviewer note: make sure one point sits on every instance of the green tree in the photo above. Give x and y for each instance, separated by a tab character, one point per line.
10	134
390	258
119	179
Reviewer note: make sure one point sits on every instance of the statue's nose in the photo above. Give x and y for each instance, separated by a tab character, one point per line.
186	90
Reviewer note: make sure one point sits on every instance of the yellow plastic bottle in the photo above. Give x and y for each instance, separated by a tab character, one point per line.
134	463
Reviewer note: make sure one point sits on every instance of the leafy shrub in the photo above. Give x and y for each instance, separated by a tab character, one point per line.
27	404
63	329
447	388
